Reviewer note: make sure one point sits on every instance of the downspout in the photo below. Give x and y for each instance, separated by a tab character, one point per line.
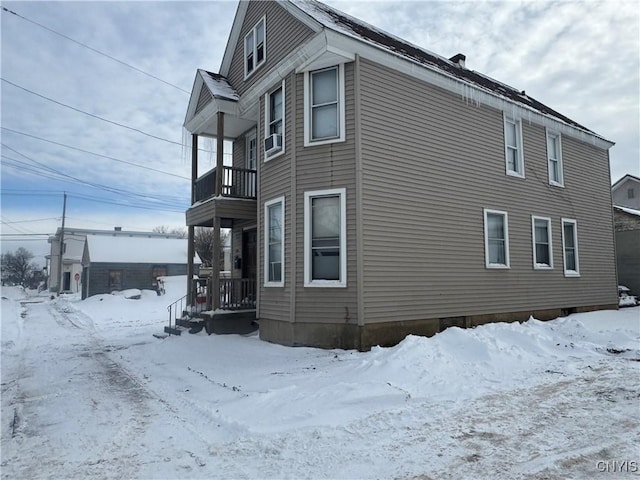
359	210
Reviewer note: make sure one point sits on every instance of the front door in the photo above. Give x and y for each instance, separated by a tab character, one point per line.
249	253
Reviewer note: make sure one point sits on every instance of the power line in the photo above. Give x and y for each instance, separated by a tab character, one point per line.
73	179
94	153
104	119
91	114
30	221
174	207
94	50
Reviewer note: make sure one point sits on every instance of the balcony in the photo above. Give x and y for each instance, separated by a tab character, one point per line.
236	183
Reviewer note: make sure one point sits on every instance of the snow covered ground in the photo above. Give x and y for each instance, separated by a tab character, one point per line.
88	392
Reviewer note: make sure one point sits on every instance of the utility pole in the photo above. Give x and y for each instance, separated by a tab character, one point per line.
64	212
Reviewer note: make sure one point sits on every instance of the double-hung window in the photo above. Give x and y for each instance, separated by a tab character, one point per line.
513	147
542	246
554	156
274	122
254	48
496	239
570	247
324	106
325	238
274	243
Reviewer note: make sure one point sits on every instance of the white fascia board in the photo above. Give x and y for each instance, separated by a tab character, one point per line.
198	82
228	107
234	36
472	93
303	17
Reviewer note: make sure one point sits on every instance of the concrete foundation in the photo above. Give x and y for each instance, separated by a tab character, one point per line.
350	336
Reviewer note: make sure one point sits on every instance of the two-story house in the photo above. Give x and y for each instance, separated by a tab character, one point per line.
379	190
626	215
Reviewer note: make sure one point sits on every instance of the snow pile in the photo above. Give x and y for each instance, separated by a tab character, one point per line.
304	387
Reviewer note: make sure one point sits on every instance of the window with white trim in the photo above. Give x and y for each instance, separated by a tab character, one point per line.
513	147
554	156
274	123
254	48
325	238
324	106
542	246
496	239
570	247
274	243
251	151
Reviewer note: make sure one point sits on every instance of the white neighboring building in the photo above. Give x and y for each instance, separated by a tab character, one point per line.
626	192
73	248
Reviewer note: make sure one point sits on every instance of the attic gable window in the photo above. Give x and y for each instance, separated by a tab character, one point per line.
513	147
254	48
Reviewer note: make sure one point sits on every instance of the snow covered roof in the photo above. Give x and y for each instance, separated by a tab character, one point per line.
630	211
218	86
104	249
355	28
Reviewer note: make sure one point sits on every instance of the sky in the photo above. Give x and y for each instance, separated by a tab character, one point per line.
94	94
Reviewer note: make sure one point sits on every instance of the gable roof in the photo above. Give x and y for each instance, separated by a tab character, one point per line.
317	16
619	183
104	249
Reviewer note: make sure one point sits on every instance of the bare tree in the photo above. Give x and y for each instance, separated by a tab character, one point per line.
204	245
173	231
17	267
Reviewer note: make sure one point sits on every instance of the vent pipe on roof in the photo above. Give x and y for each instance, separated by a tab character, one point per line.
458	59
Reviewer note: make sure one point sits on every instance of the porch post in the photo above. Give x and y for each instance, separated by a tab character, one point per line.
215	267
219	154
190	269
194	166
191	294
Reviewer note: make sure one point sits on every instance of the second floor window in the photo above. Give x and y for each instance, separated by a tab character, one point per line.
513	147
324	106
254	48
325	122
554	155
274	123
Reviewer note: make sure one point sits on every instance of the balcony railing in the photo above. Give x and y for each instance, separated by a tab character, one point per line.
235	293
236	182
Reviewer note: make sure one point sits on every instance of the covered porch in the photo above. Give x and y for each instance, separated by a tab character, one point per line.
224	197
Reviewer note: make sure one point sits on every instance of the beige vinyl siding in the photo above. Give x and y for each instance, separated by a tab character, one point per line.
275	181
319	168
239	154
204	98
432	161
284	33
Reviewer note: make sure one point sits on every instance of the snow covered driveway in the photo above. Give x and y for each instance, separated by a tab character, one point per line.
87	392
69	410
